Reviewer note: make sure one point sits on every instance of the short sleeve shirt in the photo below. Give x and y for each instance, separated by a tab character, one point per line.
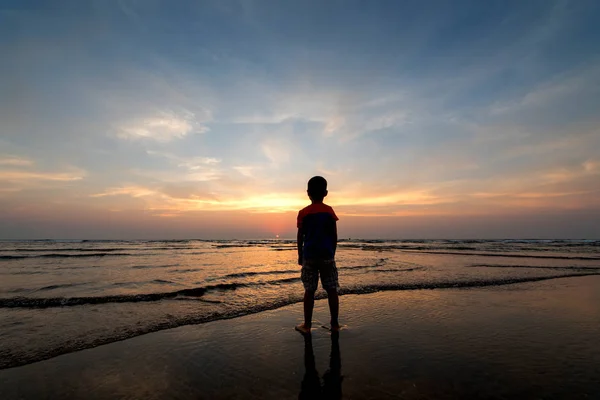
317	222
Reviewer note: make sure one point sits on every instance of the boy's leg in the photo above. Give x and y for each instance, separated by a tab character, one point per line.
334	308
329	280
309	304
310	280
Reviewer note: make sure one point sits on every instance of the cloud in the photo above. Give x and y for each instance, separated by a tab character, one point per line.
560	89
191	163
196	168
565	174
133	191
592	166
163	127
386	121
27	176
333	125
263	119
161	175
13	182
187	191
248	171
15	161
181	199
276	152
17	174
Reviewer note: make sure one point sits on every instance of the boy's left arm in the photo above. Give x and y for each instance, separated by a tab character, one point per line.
335	237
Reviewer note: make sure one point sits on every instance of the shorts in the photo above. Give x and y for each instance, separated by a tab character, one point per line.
311	269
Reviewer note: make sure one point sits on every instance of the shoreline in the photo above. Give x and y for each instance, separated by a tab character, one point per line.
320	295
525	340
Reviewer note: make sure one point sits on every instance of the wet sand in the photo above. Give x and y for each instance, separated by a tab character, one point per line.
529	341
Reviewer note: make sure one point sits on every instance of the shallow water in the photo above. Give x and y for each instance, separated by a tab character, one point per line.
533	340
58	297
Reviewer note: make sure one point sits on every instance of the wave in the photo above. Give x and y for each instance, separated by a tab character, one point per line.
291	271
566	268
229	314
103	241
379	263
24	273
474	283
270	241
83	249
170	241
552	257
57	255
284	280
96	250
398	270
45	288
164	282
61	286
29	302
254	273
463	247
226	246
154	266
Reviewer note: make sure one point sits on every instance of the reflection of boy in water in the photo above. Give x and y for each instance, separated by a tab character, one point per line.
332	379
310	388
317	242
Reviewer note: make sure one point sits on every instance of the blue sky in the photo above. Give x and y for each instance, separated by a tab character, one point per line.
205	119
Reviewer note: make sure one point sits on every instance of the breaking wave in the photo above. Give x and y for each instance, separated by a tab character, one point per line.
29	302
69	347
58	255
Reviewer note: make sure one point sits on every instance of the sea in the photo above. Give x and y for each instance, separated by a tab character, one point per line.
61	296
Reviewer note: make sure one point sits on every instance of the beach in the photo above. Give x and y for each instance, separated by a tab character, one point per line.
535	340
57	297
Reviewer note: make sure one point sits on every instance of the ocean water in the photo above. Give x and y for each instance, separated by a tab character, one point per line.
57	297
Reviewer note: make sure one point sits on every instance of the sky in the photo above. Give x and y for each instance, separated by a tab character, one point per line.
205	119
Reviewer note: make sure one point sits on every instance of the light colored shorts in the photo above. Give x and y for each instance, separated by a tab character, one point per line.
311	269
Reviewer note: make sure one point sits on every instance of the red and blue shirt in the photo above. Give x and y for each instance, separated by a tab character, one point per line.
317	222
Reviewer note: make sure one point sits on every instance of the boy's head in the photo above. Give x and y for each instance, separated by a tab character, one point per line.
317	188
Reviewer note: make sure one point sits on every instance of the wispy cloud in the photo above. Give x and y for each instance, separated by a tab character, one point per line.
133	191
191	163
276	152
18	176
9	160
567	87
162	127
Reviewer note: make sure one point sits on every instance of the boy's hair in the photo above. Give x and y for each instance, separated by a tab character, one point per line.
317	187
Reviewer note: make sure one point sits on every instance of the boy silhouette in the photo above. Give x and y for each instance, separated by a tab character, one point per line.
317	242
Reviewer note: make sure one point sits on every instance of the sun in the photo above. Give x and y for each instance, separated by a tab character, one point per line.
277	236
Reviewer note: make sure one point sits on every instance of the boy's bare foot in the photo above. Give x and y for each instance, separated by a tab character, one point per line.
333	327
303	329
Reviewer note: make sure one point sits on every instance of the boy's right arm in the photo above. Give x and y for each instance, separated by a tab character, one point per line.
300	240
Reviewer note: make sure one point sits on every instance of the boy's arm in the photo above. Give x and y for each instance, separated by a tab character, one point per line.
335	236
300	240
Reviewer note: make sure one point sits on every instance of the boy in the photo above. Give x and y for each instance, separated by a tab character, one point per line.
317	242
